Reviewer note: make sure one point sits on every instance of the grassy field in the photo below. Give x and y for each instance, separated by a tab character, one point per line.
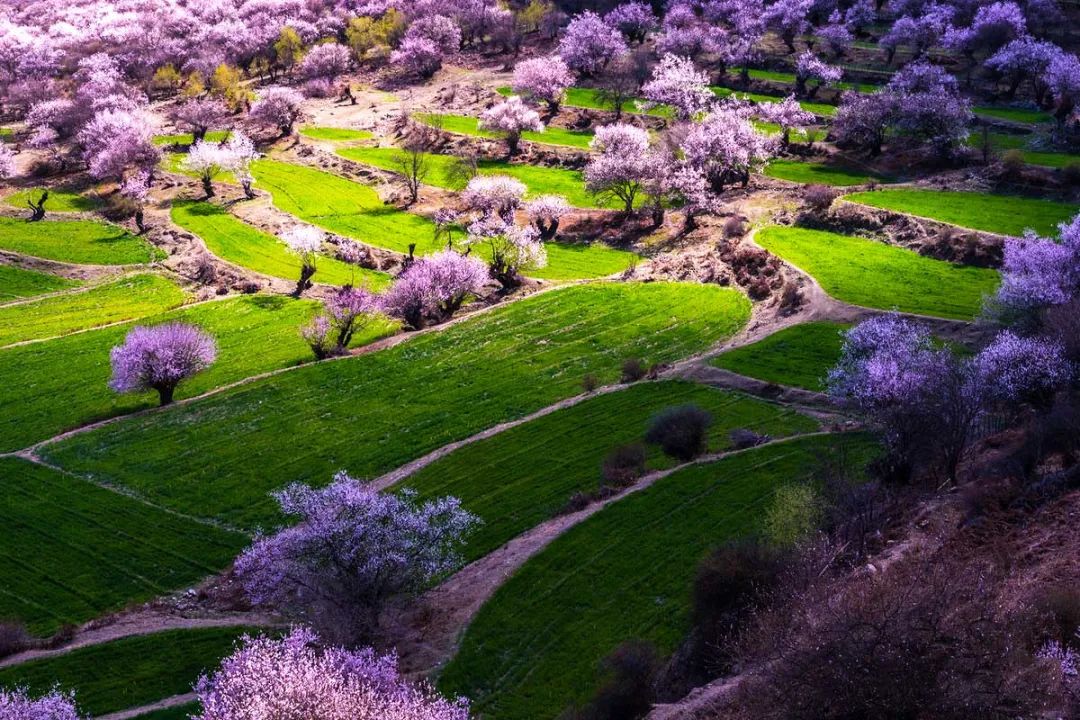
1016	115
174	162
344	207
819	109
125	299
786	78
234	240
799	356
39	399
519	478
188	138
76	241
372	413
60	200
73	551
334	134
873	274
176	712
129	672
16	283
1004	142
466	125
1002	214
623	574
814	173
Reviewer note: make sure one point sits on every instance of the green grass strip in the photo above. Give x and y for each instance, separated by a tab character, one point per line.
1017	115
73	551
333	134
466	125
76	241
60	384
129	672
124	299
173	162
373	413
16	282
176	712
1004	142
523	476
819	109
60	200
1002	214
344	207
623	574
815	173
189	139
873	274
799	356
234	240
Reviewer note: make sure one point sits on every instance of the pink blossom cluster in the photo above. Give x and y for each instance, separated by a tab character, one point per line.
18	705
677	82
511	117
543	79
434	287
160	357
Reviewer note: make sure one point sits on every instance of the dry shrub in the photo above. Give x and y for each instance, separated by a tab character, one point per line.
734	228
742	438
13	638
819	198
791	299
633	369
589	383
628	691
680	431
1071	173
623	465
1013	162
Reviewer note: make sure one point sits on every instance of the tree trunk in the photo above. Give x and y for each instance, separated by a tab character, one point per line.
139	221
165	394
306	271
208	186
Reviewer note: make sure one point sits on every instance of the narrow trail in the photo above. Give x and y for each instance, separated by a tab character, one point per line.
163	704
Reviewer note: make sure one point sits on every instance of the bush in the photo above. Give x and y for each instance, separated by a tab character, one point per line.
623	465
13	638
589	383
1061	609
734	228
741	438
681	431
628	692
819	198
633	369
793	516
1071	173
1013	162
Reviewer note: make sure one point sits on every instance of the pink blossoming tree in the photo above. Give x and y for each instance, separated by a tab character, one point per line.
511	117
160	358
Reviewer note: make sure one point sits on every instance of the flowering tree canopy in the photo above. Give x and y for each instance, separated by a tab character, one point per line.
210	159
725	147
200	115
325	61
809	66
17	705
788	114
293	678
160	357
1039	272
677	82
347	310
511	117
305	242
351	549
7	162
115	141
511	249
619	164
418	56
435	287
278	107
543	79
545	212
494	195
589	44
633	19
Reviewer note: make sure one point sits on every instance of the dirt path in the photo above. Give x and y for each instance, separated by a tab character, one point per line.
143	709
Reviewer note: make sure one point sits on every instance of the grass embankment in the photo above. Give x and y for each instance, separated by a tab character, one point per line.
1002	214
799	356
125	299
235	241
188	139
523	476
73	551
16	283
816	173
130	672
76	241
333	134
370	414
873	274
467	125
623	574
60	384
1002	143
60	200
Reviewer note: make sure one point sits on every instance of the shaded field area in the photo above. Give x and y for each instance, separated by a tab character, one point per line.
234	240
125	299
334	134
73	550
76	241
254	334
815	173
523	476
17	283
466	125
625	573
873	274
129	672
799	356
1002	214
370	414
60	200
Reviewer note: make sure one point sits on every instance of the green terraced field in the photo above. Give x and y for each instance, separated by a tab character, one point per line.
174	162
873	274
125	299
16	283
73	550
1004	142
176	712
188	138
799	356
76	241
343	207
466	125
1017	115
60	200
254	334
334	134
813	173
129	672
819	109
625	573
235	241
1002	214
372	413
523	476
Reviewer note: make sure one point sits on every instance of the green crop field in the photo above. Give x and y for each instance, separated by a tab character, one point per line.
523	476
124	299
814	173
76	241
465	125
130	672
1026	145
372	413
1016	115
342	206
174	162
73	551
176	712
873	274
799	356
235	241
60	200
16	283
188	138
623	574
254	334
334	134
819	109
1002	214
